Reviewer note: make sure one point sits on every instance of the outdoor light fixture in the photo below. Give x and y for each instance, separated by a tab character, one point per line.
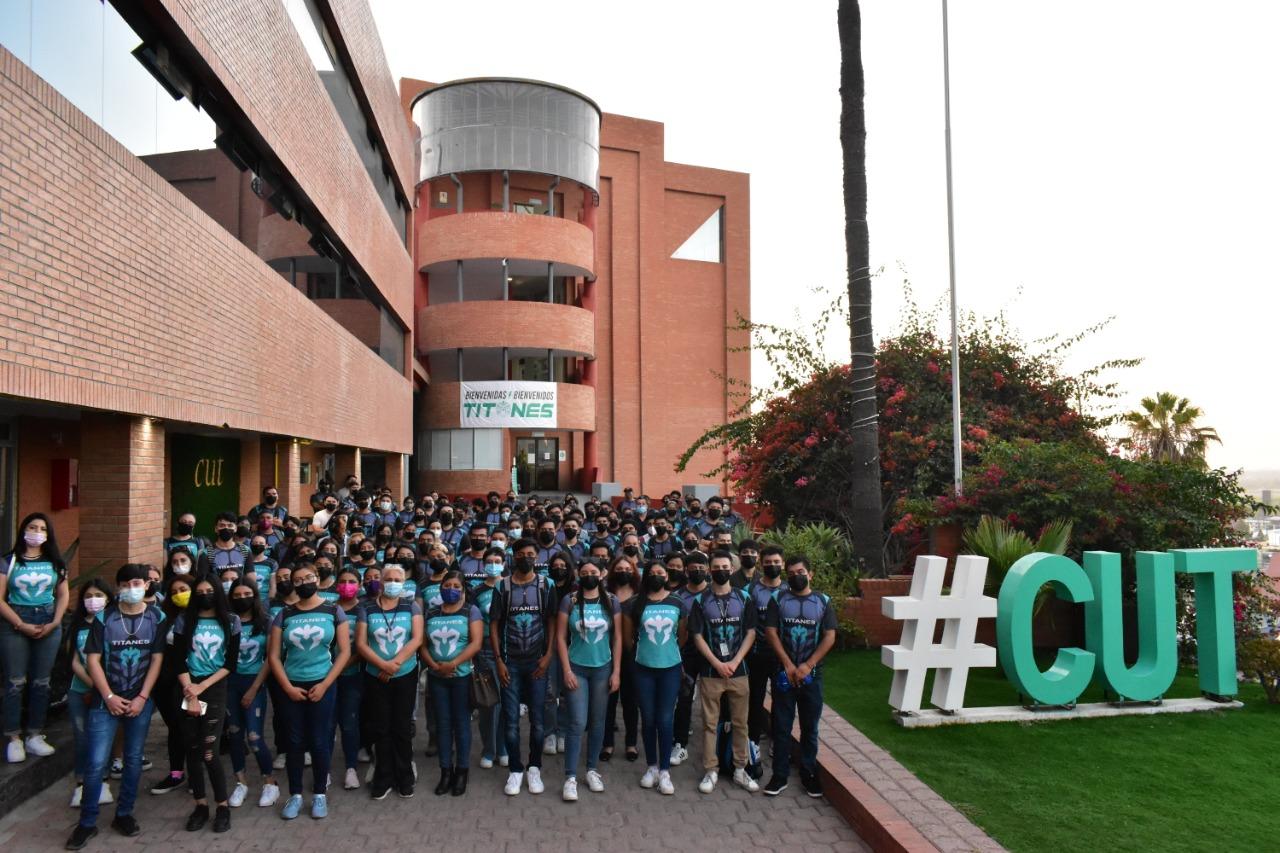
158	61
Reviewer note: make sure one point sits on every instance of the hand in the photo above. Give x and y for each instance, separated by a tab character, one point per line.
25	630
190	691
570	680
193	707
447	670
793	675
384	676
247	699
87	697
40	631
317	691
295	694
802	672
503	675
116	705
389	667
615	682
725	670
543	664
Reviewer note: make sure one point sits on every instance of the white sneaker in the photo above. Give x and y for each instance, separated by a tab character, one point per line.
678	755
236	800
524	709
76	795
352	781
650	778
39	747
104	794
281	761
708	783
743	780
14	753
270	793
534	775
559	744
486	763
570	792
368	773
514	781
595	781
549	745
413	765
664	783
306	759
504	760
363	756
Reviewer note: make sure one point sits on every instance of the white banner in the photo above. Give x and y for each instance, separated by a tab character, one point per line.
507	404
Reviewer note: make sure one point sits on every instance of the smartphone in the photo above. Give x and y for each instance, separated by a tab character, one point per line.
204	706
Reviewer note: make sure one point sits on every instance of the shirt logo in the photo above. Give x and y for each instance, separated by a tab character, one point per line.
33	584
445	640
129	658
593	628
208	643
248	650
659	626
303	635
799	635
523	621
390	641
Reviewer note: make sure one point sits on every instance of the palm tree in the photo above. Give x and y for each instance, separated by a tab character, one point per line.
1165	430
866	524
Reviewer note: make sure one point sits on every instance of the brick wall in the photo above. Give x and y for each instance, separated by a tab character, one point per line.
865	610
122	488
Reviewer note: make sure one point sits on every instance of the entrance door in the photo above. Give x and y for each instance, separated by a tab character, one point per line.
537	465
204	478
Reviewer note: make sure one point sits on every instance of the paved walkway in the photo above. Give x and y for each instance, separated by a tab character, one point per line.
623	818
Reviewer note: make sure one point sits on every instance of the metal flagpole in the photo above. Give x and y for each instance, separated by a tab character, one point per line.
958	461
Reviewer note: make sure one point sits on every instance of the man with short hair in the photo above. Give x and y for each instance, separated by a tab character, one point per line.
225	553
184	537
270	506
763	665
661	543
748	556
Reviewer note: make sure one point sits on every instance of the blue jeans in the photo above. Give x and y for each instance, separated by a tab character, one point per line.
247	722
523	688
493	734
309	728
347	715
451	698
101	730
656	692
78	712
809	698
25	659
586	707
555	714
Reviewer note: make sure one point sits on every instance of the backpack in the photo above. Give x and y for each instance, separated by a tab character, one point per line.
506	587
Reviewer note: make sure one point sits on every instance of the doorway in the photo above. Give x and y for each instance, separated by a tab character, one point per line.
537	465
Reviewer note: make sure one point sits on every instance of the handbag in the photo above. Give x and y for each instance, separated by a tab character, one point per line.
484	688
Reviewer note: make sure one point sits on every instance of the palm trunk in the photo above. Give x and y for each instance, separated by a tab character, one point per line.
864	510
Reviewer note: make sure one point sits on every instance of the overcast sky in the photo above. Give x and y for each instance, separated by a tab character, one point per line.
1112	157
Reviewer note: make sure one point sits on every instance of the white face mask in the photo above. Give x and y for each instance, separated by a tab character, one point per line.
181	568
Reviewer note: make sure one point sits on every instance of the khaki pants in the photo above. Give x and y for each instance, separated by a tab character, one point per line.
737	690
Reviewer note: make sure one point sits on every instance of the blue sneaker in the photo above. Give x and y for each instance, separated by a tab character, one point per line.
292	806
319	806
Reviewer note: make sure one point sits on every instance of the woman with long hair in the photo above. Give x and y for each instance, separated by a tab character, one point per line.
454	631
623	582
95	596
175	598
246	698
33	599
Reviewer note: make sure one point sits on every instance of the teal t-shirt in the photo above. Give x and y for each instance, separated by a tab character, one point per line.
591	630
658	641
262	573
410	589
308	639
449	634
482	598
253	650
387	631
208	651
82	636
329	595
353	665
431	595
32	583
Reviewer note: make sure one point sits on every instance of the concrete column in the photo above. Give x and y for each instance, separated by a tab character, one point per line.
288	463
121	492
250	473
346	460
397	475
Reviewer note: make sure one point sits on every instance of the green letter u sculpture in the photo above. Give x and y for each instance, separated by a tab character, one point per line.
1149	678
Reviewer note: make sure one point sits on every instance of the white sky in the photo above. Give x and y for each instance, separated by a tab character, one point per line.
1110	157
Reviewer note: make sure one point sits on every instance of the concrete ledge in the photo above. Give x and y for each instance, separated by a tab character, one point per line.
20	782
931	717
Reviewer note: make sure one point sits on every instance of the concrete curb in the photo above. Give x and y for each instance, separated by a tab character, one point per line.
20	782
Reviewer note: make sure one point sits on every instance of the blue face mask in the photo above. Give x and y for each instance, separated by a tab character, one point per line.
393	589
132	594
493	570
450	595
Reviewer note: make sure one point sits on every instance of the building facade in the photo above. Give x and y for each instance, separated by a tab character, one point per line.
235	256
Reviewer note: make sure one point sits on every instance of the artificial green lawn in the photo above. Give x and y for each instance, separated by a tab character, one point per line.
1173	782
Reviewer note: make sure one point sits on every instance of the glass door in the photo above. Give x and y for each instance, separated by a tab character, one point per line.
537	465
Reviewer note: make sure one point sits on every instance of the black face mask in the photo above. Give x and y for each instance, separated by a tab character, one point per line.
153	588
226	534
559	574
478	544
284	588
257	549
202	601
438	566
546	537
523	565
325	572
271	500
291	531
446	518
621	578
771	571
695	510
798	583
674	576
691	544
242	605
713	513
306	590
242	532
185	528
589	581
747	561
368	556
631	550
720	576
696	576
570	534
653	583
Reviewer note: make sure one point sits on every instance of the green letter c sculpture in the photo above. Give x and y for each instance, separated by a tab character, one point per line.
1072	670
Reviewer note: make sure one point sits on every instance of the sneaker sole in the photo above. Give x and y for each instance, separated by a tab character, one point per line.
774	793
816	796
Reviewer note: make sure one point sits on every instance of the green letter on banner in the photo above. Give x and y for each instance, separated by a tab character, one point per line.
1067	678
1215	610
1157	662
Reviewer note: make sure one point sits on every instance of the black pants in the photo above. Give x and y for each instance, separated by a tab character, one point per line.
168	696
762	668
626	695
387	721
202	735
682	728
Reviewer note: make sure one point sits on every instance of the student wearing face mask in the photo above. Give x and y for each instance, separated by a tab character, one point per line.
623	582
261	567
365	556
206	642
328	579
695	583
176	597
654	624
453	632
471	563
246	698
694	521
309	648
762	666
123	655
571	540
184	538
350	684
364	513
555	715
270	506
225	551
661	542
801	628
589	645
748	557
267	527
492	733
382	536
388	635
407	557
95	595
386	511
451	533
631	547
182	564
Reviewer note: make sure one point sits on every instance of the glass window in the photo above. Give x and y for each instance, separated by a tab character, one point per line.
488	449
705	244
438	441
533	288
391	342
463	449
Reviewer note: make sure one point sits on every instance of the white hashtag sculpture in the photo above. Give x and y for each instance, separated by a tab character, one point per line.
957	653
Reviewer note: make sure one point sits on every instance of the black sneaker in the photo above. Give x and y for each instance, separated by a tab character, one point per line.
80	837
777	784
126	825
405	792
199	817
169	783
379	793
812	784
117	768
222	819
146	764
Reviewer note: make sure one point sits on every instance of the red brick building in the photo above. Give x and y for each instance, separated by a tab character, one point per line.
222	267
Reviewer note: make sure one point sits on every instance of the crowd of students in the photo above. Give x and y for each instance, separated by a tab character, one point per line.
536	615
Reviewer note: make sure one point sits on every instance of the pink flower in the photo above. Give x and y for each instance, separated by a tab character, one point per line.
802	482
811	441
932	367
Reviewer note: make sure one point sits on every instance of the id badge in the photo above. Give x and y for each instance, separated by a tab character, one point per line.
724	649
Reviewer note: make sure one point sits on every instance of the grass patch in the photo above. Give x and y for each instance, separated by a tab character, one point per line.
1176	782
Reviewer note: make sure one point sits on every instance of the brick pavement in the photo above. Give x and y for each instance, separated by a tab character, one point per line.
623	818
